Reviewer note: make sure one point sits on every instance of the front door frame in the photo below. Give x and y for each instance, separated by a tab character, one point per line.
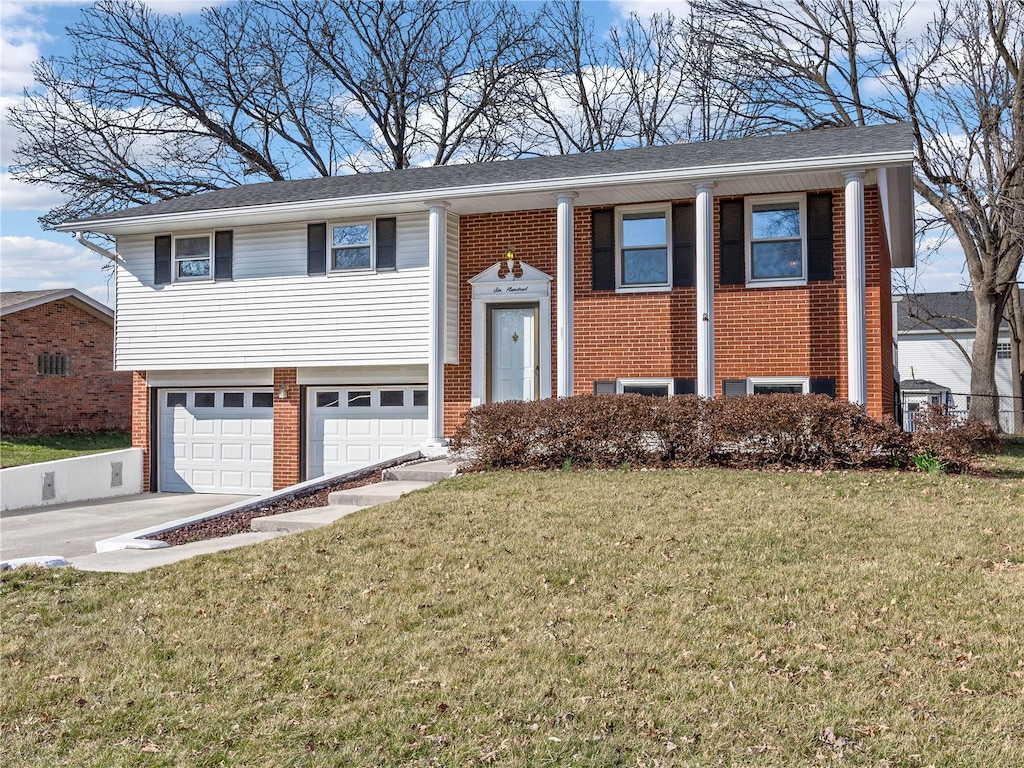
490	288
535	306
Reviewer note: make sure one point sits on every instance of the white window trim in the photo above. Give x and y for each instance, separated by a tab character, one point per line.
664	209
769	381
748	229
372	224
174	257
621	384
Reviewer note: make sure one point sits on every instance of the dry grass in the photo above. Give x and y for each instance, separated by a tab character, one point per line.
593	619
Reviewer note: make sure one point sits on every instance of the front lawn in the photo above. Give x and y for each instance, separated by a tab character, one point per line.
18	451
688	618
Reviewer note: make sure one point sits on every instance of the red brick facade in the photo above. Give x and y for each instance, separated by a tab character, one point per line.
287	429
93	397
141	423
790	331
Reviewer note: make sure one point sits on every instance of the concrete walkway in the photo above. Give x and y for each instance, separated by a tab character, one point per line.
397	482
71	530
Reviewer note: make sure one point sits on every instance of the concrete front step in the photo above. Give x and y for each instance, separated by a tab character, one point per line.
137	560
425	471
303	519
379	493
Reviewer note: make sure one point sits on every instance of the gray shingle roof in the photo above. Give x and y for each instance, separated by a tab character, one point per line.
796	146
14	298
948	310
16	301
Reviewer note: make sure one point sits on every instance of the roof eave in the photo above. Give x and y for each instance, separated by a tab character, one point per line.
137	224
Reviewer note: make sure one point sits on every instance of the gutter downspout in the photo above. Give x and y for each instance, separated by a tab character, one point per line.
81	238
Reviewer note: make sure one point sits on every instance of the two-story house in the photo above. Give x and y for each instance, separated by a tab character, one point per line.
286	330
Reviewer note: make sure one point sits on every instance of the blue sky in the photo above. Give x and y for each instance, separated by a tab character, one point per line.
32	259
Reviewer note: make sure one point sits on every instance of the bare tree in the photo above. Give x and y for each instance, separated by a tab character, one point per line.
958	82
148	107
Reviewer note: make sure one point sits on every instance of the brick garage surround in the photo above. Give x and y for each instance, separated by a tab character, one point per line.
287	429
141	424
798	331
94	397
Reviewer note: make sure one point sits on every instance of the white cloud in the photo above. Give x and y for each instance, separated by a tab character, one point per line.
18	196
32	263
647	8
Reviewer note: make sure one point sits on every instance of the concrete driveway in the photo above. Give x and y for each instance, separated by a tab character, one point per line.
70	530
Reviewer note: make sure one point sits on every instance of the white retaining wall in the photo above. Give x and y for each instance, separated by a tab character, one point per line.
97	476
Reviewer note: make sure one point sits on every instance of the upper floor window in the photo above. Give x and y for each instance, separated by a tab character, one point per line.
776	240
351	246
192	257
644	258
1003	350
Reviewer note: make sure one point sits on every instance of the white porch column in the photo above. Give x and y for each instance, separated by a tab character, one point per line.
437	235
705	274
856	323
564	280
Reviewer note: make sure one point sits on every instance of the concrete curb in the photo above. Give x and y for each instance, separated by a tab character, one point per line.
137	540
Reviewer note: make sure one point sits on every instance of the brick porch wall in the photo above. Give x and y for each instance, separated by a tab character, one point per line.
94	397
799	331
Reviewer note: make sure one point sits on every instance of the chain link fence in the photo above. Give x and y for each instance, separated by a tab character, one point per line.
958	404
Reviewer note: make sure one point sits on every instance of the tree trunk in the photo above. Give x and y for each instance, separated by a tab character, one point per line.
1015	312
984	395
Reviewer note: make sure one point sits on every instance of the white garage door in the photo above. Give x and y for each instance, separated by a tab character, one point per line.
216	441
350	427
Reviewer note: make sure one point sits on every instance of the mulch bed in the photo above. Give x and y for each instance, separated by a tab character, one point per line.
238	522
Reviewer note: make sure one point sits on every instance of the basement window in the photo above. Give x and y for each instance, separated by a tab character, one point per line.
53	365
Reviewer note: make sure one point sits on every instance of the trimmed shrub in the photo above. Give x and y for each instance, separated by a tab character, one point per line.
940	436
610	431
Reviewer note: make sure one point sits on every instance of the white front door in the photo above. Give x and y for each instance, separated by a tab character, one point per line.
514	359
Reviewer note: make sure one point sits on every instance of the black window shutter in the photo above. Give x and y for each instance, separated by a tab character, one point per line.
223	245
684	386
684	245
731	248
734	387
162	259
316	249
823	387
605	388
819	236
387	244
602	225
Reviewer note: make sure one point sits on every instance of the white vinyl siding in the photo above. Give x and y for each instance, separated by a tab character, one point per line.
451	309
273	314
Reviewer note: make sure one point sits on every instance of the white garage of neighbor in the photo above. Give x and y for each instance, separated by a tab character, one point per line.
216	440
352	426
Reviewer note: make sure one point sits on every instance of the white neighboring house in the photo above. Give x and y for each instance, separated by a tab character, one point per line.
934	332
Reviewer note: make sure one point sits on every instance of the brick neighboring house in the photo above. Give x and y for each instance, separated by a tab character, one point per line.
292	329
56	364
